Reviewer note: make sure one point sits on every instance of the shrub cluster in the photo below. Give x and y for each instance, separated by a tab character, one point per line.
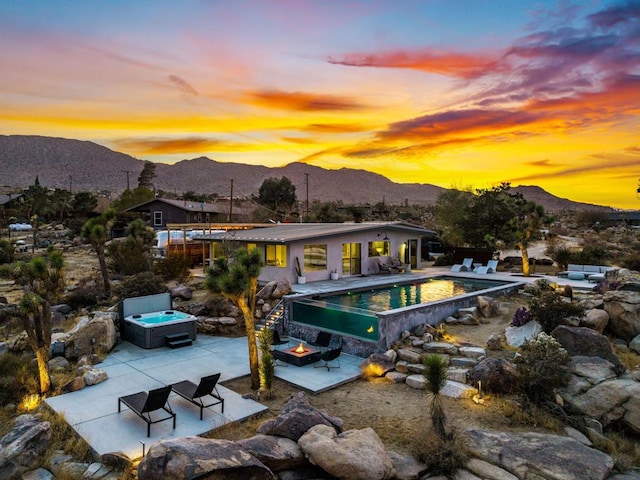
145	283
174	266
6	251
19	378
550	309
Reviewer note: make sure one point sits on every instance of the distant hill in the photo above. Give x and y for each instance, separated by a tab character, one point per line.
83	165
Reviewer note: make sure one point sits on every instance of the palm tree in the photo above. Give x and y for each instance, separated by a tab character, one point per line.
42	280
236	279
435	373
96	232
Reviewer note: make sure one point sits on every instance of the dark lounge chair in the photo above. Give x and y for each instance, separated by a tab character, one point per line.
328	357
195	393
277	340
323	339
143	403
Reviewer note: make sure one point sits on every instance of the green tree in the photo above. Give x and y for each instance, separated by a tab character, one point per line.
236	279
450	212
147	175
131	198
435	373
42	280
132	256
278	195
97	232
84	203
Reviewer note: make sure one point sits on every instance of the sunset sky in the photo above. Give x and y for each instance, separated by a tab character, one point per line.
464	93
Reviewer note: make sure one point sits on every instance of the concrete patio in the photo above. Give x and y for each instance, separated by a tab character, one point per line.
93	411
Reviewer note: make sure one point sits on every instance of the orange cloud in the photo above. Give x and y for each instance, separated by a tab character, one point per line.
160	146
300	101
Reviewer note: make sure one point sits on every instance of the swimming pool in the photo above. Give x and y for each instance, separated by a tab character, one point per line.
373	319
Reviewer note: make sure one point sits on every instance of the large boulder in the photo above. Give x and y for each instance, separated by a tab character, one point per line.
623	308
539	455
296	417
517	336
586	342
22	447
89	336
265	292
351	455
277	453
182	292
596	319
488	306
194	457
495	375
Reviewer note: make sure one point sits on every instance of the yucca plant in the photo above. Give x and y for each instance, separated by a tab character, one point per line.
435	374
267	364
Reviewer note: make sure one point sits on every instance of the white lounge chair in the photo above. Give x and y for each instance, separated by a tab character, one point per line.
465	266
490	267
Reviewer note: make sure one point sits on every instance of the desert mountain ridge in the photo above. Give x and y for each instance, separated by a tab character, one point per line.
84	165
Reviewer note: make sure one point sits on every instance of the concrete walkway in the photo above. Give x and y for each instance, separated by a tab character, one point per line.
93	411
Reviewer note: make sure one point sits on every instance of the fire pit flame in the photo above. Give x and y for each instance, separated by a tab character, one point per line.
300	348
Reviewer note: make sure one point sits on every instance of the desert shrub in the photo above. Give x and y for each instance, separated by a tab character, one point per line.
6	271
561	255
64	437
442	260
443	455
174	266
521	317
83	296
550	309
538	287
541	369
631	261
533	416
6	251
145	283
19	378
435	374
127	258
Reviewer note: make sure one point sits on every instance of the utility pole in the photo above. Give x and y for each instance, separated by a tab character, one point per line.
128	172
306	181
71	183
231	202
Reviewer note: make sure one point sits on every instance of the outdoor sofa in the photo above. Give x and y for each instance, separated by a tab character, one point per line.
592	273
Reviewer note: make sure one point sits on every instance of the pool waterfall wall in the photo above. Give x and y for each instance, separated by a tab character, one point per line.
392	323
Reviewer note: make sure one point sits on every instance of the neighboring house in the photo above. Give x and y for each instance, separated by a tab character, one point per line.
629	217
347	249
10	200
159	212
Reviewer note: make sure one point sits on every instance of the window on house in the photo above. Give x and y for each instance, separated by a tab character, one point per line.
276	255
315	257
157	219
379	248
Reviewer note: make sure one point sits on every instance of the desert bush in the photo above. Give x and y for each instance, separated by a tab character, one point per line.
550	309
19	378
541	369
174	266
64	437
145	283
443	455
631	261
561	255
435	373
443	260
6	251
127	258
6	271
538	287
533	416
83	296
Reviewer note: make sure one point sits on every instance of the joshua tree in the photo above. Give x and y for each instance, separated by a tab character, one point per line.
236	279
96	232
42	280
436	376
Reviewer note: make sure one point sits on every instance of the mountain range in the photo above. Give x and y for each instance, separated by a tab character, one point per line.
82	165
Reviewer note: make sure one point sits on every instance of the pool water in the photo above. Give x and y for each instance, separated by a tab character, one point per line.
406	295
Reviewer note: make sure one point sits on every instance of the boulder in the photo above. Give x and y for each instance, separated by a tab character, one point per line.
396	377
89	336
282	288
94	376
416	381
453	389
406	466
516	336
277	453
488	306
472	352
410	356
296	417
182	292
440	347
495	375
195	457
635	344
596	319
593	369
351	455
586	342
494	342
623	308
265	292
538	455
59	364
486	470
19	343
38	474
23	446
377	365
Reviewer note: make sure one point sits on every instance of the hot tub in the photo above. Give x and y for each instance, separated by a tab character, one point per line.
154	329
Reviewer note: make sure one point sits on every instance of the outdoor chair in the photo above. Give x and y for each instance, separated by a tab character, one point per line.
143	403
277	340
323	339
330	356
490	267
465	266
195	393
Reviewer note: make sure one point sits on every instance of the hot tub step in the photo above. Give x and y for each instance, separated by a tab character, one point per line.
176	340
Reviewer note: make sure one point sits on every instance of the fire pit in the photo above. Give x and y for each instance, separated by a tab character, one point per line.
299	355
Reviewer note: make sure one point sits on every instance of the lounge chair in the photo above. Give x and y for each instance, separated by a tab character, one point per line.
465	266
329	356
490	267
143	403
323	339
277	340
195	393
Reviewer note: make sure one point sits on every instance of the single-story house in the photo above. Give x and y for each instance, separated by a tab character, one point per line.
325	250
161	211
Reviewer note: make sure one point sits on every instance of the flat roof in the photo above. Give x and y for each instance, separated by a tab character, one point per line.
289	232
